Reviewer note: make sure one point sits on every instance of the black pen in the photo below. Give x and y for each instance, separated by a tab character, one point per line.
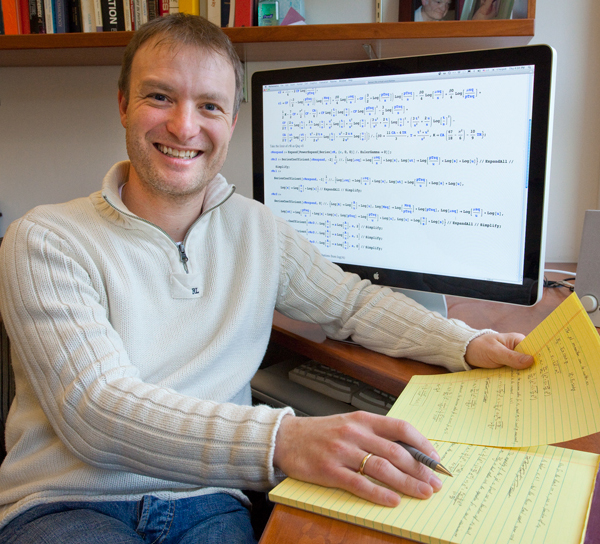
422	458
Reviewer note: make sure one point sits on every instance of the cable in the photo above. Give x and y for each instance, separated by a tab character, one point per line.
566	272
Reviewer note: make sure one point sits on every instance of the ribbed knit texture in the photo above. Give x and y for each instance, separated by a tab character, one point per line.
133	376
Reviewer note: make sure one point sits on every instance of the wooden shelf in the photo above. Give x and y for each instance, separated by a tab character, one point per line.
306	42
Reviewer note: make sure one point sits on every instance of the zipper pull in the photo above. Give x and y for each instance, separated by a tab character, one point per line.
183	257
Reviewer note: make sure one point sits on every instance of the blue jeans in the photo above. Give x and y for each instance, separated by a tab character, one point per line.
211	519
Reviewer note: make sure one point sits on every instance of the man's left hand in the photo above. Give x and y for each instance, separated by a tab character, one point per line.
496	350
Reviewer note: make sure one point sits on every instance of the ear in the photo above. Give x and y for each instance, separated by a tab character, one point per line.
122	108
233	125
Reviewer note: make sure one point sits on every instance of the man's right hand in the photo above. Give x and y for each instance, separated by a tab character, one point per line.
329	451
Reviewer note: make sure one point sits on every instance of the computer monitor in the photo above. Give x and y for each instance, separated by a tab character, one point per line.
425	173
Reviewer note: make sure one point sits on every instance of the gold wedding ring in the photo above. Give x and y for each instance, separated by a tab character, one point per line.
364	462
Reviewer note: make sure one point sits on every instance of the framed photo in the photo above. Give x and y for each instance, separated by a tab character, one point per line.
433	10
485	9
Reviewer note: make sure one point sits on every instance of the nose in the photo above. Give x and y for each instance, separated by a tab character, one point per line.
184	122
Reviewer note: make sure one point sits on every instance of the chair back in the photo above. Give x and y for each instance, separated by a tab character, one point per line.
7	385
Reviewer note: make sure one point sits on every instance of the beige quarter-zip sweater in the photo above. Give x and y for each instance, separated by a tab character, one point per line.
133	357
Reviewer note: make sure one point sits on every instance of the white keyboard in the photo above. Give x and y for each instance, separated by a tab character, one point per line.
339	386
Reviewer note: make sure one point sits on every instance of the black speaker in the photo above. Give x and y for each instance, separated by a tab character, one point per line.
587	285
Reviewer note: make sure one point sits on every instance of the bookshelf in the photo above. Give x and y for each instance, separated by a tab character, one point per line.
306	42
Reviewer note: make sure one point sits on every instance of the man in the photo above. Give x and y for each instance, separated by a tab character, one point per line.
139	315
432	10
436	10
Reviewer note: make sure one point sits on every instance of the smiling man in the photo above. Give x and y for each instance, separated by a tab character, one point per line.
139	315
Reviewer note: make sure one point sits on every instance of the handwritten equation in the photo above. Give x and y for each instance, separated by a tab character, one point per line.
555	400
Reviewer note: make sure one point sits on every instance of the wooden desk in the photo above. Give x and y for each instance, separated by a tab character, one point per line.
391	375
289	525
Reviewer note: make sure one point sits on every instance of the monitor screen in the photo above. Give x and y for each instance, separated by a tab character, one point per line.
425	173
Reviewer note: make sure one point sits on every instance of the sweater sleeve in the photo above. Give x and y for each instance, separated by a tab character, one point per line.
315	290
91	394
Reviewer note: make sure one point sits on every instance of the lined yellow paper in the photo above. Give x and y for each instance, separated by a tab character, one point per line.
497	496
555	400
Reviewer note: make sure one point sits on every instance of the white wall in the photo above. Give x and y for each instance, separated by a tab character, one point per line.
60	130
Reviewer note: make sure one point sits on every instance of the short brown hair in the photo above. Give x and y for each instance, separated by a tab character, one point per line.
183	29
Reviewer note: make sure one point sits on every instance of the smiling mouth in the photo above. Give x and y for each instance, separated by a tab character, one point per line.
177	153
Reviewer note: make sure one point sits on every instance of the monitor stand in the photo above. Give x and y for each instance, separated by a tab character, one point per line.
435	302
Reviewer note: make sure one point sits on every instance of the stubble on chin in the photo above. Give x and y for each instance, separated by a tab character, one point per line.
153	181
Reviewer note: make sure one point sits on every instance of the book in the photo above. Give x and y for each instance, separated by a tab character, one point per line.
490	428
49	16
60	16
10	17
213	12
88	24
113	17
163	7
98	24
189	6
37	19
153	9
127	15
23	15
1	21
245	11
74	15
227	13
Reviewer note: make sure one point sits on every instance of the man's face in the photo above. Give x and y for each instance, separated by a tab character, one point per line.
435	10
178	119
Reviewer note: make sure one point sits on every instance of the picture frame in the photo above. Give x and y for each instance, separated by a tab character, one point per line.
484	9
433	10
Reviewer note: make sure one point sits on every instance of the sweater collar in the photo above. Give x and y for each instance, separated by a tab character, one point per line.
217	191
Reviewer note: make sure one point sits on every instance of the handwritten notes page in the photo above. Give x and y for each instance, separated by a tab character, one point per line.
497	496
557	399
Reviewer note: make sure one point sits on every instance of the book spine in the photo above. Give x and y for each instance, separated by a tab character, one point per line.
163	7
213	12
189	6
49	16
127	14
231	22
36	17
1	21
98	24
152	9
136	18
74	15
244	12
60	15
24	14
87	15
173	6
10	17
113	18
225	7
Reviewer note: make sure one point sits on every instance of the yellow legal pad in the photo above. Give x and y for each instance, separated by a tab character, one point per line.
500	493
497	496
555	400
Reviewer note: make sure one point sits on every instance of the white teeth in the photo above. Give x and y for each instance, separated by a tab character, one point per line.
177	152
